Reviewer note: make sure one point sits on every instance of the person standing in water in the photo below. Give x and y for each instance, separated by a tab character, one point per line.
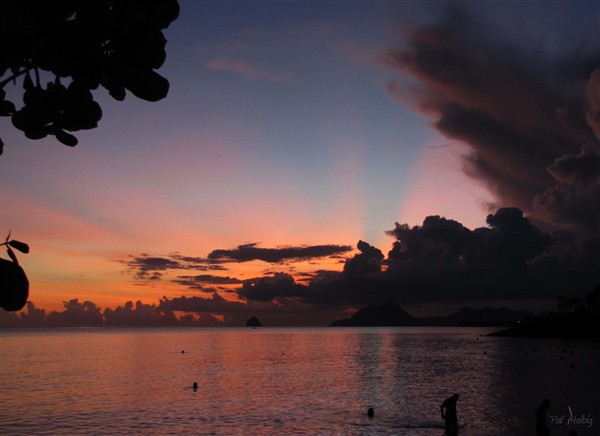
448	409
541	429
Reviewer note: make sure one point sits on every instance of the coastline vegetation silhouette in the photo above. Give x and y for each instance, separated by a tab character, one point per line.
574	318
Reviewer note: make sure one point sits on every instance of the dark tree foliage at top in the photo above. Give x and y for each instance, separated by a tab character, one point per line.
80	45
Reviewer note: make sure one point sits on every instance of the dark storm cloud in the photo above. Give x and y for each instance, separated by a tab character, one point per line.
249	252
146	267
216	304
199	263
593	102
367	261
208	279
442	261
510	242
575	198
143	275
317	276
149	263
278	286
200	282
152	268
511	259
518	111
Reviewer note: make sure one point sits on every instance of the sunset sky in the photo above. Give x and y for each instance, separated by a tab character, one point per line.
294	130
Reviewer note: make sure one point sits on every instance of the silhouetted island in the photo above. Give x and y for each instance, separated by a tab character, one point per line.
378	315
253	322
391	315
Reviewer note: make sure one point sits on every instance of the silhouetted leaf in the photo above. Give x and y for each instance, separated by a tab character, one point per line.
36	133
79	112
15	286
34	97
161	13
12	255
66	138
57	95
27	82
147	85
18	245
117	92
19	120
7	108
143	47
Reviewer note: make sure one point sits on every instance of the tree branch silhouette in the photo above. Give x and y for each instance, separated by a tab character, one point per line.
80	46
77	46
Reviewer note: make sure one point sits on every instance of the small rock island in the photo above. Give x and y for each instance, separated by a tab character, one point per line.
253	322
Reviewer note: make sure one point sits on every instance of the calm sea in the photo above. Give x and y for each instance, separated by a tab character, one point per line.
291	381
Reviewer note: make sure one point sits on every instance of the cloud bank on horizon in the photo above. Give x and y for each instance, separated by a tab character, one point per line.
440	262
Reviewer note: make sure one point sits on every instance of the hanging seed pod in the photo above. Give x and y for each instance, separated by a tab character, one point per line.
15	286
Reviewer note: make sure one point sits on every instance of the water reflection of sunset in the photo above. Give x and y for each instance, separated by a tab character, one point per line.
285	380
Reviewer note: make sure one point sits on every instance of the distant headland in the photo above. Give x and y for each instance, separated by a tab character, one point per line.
389	314
573	318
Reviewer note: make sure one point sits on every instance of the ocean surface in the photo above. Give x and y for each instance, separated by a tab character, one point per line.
292	381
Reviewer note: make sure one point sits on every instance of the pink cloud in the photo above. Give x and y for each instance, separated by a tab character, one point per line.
244	69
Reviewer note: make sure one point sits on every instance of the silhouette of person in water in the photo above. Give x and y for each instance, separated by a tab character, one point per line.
541	429
448	409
